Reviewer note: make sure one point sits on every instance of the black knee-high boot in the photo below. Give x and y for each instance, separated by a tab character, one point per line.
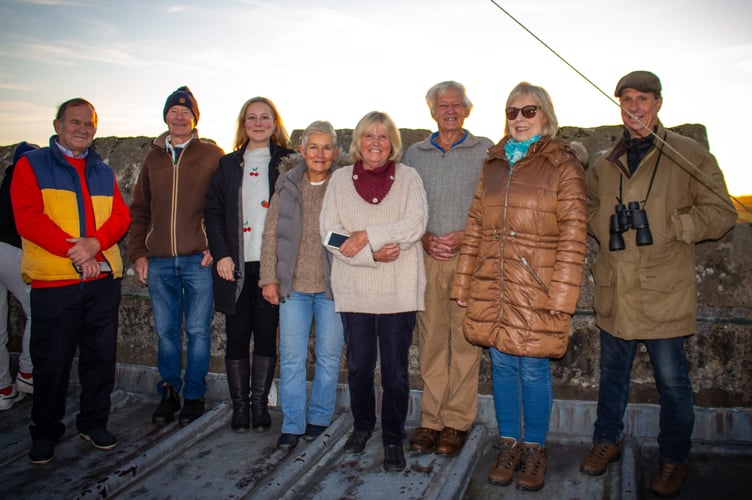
238	380
261	382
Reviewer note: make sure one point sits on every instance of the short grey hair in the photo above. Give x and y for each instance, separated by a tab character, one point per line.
318	127
440	89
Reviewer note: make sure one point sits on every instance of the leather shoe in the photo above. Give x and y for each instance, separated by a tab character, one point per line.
313	431
394	458
192	409
287	441
42	451
669	480
424	440
101	438
356	443
451	442
167	407
596	461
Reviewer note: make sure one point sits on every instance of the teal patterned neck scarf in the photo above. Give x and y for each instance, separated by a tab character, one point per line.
516	150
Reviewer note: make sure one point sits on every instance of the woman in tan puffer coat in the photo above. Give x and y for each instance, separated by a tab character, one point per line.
519	274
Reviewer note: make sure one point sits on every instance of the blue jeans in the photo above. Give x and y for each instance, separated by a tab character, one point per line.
522	386
671	372
389	336
295	315
177	286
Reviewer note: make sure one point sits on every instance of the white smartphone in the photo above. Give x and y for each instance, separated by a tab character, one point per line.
335	240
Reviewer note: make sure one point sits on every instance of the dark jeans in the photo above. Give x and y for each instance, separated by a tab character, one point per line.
83	316
254	317
393	333
674	387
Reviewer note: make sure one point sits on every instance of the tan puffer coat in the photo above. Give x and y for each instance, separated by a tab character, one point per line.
524	251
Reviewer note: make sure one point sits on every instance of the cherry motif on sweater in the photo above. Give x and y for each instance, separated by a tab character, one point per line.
246	227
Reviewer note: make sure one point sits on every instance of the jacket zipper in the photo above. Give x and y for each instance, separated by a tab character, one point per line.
534	274
503	239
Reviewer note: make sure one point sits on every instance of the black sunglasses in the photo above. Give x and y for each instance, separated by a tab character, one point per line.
527	111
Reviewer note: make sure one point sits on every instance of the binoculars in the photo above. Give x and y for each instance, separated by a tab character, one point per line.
625	218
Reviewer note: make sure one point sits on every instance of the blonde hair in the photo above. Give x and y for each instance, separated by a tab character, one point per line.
365	124
542	99
279	137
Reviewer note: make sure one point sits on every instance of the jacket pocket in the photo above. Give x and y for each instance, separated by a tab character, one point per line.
535	276
603	297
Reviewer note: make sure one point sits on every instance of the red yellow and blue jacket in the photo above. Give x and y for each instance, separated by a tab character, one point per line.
56	197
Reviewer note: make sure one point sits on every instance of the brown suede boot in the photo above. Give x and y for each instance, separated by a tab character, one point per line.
532	473
669	480
600	455
507	461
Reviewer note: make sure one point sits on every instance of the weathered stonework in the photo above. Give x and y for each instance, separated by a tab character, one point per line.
720	353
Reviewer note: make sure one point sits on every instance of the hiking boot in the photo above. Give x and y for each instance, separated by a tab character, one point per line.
532	467
669	480
167	407
394	458
101	439
424	440
451	442
507	461
192	409
598	458
356	443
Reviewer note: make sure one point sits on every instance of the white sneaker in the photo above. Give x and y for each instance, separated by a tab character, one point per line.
6	402
24	384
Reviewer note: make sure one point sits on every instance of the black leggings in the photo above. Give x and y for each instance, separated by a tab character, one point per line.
254	317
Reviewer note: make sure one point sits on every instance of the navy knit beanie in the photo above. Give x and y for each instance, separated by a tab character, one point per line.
181	97
21	149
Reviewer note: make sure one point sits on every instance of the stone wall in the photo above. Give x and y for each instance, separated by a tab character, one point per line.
720	353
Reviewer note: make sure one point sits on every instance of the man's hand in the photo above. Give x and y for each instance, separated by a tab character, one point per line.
83	249
387	253
141	266
89	269
442	247
207	259
354	244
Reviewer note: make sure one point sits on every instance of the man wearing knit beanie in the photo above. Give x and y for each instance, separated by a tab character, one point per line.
182	97
168	208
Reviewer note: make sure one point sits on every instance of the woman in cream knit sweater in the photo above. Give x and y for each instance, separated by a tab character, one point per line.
378	279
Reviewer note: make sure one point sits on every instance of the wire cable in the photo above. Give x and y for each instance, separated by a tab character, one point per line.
694	168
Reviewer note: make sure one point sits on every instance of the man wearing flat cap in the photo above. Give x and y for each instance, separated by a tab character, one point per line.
169	250
651	197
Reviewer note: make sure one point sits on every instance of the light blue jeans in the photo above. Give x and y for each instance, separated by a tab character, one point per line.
522	386
295	317
177	286
10	281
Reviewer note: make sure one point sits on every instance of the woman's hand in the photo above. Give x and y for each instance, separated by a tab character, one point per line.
461	303
354	244
226	268
271	293
387	253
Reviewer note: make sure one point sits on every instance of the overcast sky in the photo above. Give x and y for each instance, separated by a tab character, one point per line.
339	59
